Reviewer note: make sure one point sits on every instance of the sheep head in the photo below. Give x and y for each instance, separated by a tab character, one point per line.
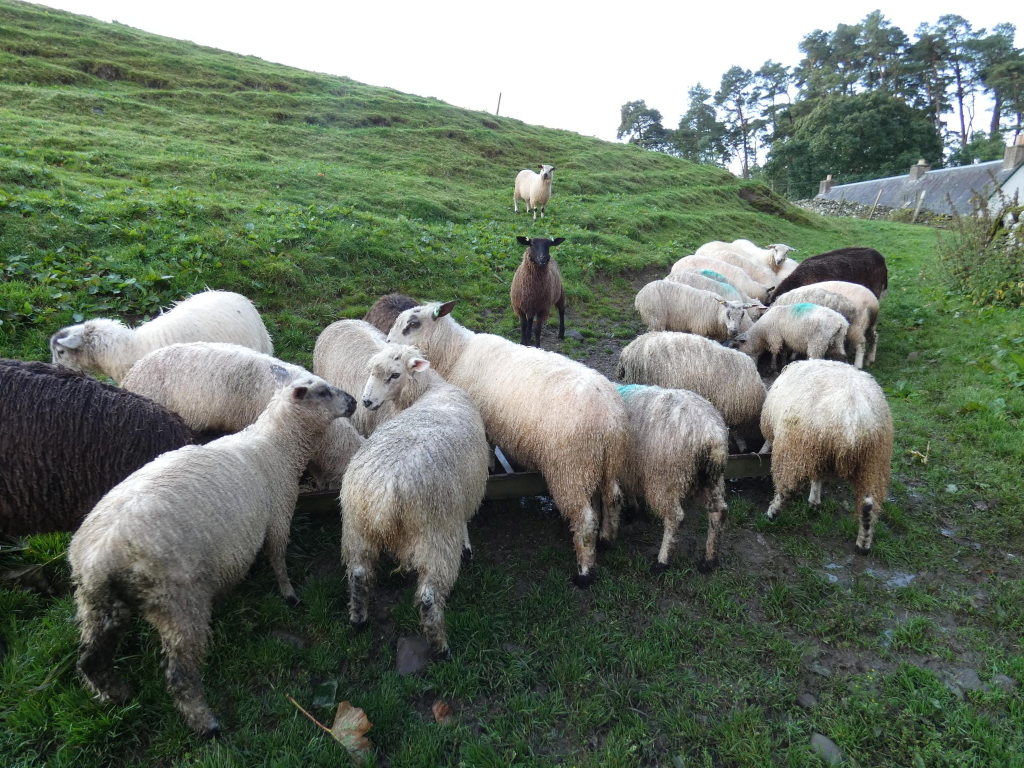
390	373
538	249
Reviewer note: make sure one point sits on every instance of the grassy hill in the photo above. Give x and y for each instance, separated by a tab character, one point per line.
136	169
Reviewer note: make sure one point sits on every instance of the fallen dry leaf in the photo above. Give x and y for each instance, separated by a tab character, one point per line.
441	711
349	730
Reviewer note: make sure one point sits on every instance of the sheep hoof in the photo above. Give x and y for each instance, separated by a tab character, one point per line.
445	654
292	599
659	569
707	566
212	731
467	555
584	580
861	550
603	545
360	626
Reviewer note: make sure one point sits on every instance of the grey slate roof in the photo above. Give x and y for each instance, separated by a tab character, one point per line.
946	190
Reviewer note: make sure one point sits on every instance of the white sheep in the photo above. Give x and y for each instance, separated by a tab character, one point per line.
670	306
806	329
413	486
111	348
545	411
704	282
727	378
735	276
864	299
773	256
186	527
758	271
679	446
824	418
857	317
534	188
341	356
225	387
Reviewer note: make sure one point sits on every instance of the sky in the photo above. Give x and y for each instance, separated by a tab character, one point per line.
558	63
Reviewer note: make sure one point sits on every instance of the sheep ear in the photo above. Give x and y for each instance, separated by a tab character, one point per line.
523	240
299	393
558	241
281	374
443	309
418	364
71	341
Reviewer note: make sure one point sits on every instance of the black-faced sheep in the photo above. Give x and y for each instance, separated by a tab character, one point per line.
109	347
533	188
387	308
865	266
341	356
225	387
827	419
186	527
413	485
536	287
66	439
679	446
806	329
666	305
727	378
545	411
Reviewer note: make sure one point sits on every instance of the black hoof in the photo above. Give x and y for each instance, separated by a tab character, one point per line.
444	655
212	732
860	550
603	545
360	626
659	569
292	600
707	566
583	581
467	555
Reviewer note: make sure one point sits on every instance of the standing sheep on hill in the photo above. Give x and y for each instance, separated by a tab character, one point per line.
66	439
186	527
536	286
534	188
727	378
824	418
679	446
388	307
225	387
413	486
111	348
545	411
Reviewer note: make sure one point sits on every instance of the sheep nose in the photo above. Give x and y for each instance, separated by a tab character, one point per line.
350	404
368	404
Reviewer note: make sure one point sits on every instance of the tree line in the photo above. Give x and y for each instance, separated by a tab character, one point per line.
865	101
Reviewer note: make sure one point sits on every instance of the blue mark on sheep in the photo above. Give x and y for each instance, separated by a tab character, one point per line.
803	308
628	390
714	275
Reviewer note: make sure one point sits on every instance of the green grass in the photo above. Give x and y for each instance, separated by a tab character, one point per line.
136	169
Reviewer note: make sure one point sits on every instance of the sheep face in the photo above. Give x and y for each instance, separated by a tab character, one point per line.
546	172
72	348
389	371
734	315
779	253
413	324
540	248
312	393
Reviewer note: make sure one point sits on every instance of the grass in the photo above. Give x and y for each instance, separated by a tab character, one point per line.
136	169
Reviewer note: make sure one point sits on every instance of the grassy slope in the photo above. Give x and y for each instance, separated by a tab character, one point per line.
135	169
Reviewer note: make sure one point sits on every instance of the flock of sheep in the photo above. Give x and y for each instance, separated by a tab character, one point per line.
167	517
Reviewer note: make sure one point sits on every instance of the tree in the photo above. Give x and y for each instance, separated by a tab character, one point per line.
857	137
993	51
831	62
771	82
1008	79
962	63
700	136
929	74
642	125
883	48
738	99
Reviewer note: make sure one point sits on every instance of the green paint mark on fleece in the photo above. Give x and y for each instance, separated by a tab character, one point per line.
627	390
714	275
803	309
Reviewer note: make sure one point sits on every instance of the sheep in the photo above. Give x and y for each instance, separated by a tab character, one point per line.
109	347
857	317
545	411
66	439
186	527
865	266
808	329
772	256
224	388
704	282
384	311
534	188
823	418
413	486
866	301
536	286
727	378
669	306
735	276
341	354
730	254
679	446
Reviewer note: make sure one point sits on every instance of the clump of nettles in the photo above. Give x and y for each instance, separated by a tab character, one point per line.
983	257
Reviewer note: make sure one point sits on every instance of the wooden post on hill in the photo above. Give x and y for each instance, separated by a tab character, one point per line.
871	213
917	209
498	110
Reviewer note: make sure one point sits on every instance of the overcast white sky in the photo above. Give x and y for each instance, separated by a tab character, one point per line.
558	63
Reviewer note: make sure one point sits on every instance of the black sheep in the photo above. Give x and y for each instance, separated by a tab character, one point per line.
66	439
865	266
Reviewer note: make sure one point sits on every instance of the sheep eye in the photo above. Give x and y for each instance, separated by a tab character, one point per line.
393	376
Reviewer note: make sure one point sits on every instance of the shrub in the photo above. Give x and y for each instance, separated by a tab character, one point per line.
984	261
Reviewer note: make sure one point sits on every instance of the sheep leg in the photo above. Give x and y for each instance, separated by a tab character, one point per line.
873	340
467	548
525	329
866	523
673	517
584	537
611	509
714	500
275	545
781	494
560	306
538	327
814	498
766	448
102	622
183	625
858	358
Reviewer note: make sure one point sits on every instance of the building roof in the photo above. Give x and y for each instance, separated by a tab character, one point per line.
959	190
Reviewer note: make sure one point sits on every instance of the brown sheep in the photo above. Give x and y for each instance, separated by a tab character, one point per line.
536	286
389	306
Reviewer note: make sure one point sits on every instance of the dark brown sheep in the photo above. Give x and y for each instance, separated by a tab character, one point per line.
536	286
384	311
865	266
66	439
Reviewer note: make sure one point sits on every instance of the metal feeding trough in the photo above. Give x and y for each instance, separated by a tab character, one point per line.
508	481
